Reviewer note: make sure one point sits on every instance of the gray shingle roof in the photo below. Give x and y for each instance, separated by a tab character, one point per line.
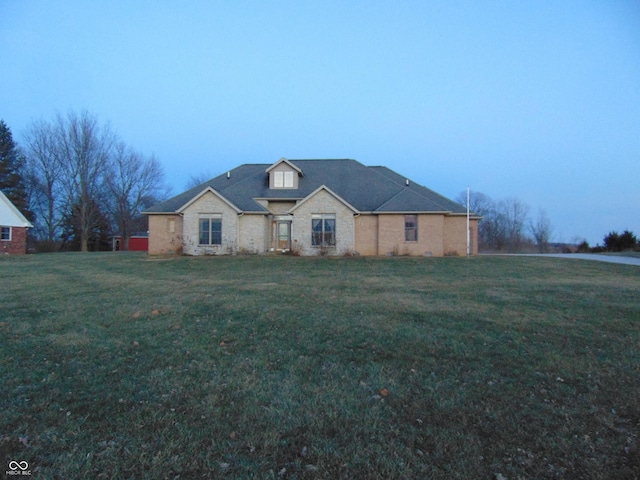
369	189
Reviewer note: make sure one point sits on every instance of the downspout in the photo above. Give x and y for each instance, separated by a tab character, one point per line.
356	215
468	226
241	214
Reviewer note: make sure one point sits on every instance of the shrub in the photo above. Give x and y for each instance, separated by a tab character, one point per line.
615	242
584	247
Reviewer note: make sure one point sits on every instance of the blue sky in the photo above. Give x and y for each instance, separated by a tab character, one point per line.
538	100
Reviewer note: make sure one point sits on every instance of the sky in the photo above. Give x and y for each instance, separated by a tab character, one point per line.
533	100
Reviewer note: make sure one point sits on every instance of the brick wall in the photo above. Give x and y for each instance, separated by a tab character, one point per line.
456	236
253	236
280	207
18	243
209	204
165	234
323	203
366	234
391	236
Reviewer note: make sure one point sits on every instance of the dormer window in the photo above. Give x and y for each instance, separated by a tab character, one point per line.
283	179
284	174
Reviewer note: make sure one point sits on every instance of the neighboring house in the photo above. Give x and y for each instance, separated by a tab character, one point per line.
310	207
13	228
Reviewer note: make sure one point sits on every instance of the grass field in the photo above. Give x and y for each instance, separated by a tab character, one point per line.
123	366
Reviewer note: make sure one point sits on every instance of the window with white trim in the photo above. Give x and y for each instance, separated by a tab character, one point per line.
323	230
210	230
283	179
5	234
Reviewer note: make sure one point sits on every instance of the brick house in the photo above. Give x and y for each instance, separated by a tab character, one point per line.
13	228
310	207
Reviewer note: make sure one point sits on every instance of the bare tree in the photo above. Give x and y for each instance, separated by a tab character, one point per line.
134	183
512	217
503	223
541	230
197	179
43	175
78	171
84	149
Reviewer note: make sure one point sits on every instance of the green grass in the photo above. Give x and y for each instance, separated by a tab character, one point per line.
123	366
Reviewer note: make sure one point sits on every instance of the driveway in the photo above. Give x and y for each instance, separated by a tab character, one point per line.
586	256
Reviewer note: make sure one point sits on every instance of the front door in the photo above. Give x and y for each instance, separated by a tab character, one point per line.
283	235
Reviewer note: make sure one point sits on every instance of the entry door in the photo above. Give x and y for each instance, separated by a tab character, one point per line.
284	235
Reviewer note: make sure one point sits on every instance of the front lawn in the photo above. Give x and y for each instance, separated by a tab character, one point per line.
118	365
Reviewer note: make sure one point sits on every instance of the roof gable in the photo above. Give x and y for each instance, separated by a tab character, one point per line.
204	192
10	216
330	192
284	160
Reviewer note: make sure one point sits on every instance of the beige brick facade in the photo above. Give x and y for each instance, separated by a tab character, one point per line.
368	235
391	235
323	202
455	237
281	214
366	241
209	205
253	234
165	234
279	207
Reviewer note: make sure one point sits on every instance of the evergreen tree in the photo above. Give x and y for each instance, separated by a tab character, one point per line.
11	165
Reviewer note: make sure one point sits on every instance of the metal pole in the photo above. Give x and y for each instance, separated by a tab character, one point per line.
468	227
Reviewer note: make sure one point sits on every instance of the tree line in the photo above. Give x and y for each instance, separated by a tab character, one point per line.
78	182
614	242
506	225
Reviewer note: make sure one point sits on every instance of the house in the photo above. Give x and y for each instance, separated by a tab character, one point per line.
310	207
13	228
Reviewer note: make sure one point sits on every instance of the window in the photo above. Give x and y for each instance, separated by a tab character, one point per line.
411	228
172	225
211	230
278	179
288	179
5	233
323	230
283	179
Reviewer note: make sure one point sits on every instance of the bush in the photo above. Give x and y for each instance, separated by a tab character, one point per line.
583	247
615	242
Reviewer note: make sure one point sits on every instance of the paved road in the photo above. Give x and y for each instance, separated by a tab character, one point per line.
588	256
